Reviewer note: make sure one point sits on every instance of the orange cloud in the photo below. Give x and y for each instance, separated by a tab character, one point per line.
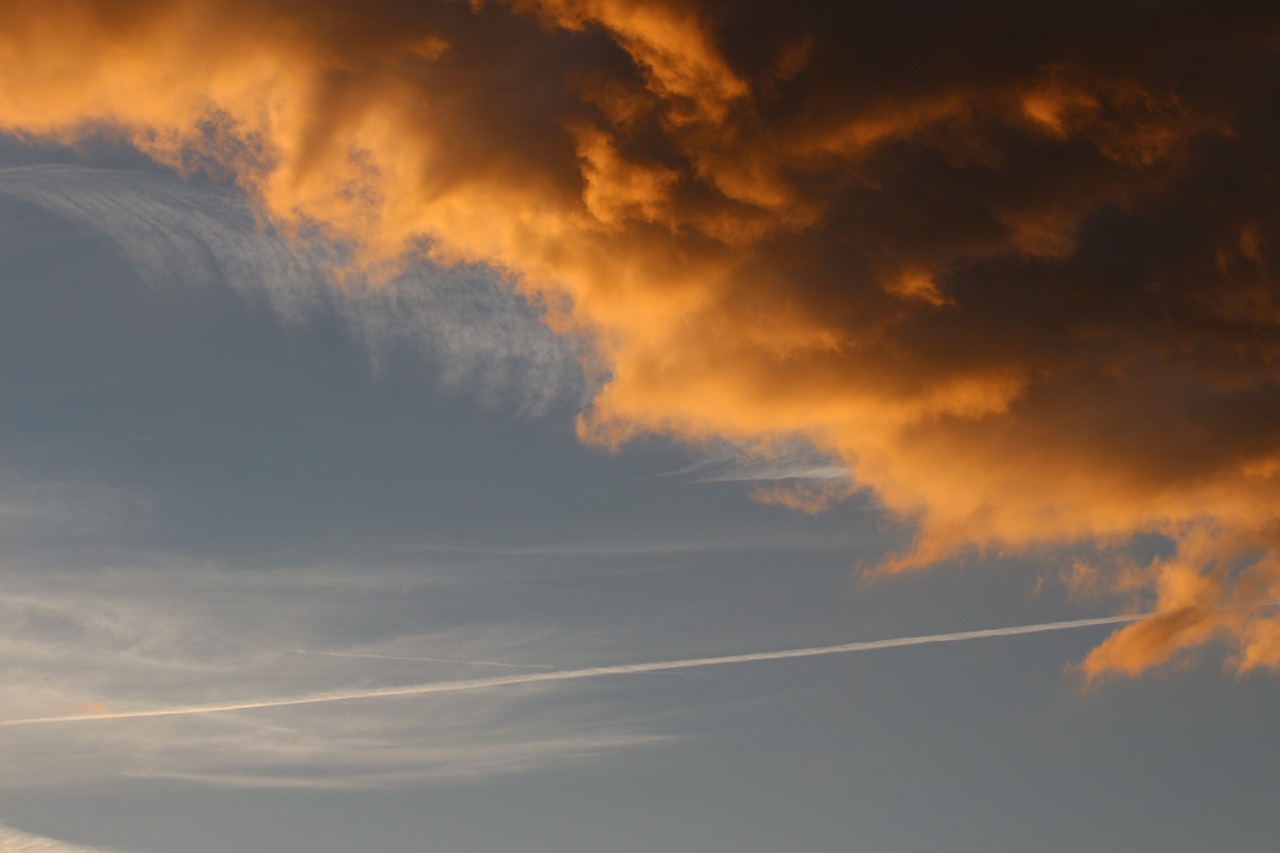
1024	289
806	497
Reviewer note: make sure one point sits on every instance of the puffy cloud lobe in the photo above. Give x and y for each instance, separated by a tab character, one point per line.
1015	266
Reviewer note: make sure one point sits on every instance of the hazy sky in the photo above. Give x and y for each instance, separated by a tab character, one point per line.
388	396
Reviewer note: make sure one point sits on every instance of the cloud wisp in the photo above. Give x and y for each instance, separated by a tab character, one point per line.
146	634
174	233
16	841
1014	265
473	684
371	656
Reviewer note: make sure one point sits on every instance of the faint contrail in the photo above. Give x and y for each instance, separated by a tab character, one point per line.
572	674
370	656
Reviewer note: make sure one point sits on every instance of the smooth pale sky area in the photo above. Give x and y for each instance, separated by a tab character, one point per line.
531	426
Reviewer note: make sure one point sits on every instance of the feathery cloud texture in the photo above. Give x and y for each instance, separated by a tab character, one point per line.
148	635
99	712
16	841
1014	265
477	333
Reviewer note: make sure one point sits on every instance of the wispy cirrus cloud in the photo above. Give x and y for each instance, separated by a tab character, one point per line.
68	508
726	462
106	714
91	640
463	322
16	841
375	656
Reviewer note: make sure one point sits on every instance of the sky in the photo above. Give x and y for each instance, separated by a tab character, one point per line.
616	425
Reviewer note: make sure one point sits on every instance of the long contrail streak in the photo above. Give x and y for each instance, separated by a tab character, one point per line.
574	674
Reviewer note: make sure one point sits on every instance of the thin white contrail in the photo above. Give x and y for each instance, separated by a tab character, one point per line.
574	674
370	656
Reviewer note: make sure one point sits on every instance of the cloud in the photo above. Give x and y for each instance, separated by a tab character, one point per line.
1015	266
476	332
372	656
96	642
16	841
473	684
62	509
723	461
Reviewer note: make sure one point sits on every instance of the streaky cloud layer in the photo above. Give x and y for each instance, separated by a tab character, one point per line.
476	331
16	841
1015	265
469	684
371	656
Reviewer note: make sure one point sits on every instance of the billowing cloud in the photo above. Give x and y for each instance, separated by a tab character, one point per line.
1013	265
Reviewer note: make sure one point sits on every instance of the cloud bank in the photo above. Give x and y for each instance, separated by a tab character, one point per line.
1013	265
